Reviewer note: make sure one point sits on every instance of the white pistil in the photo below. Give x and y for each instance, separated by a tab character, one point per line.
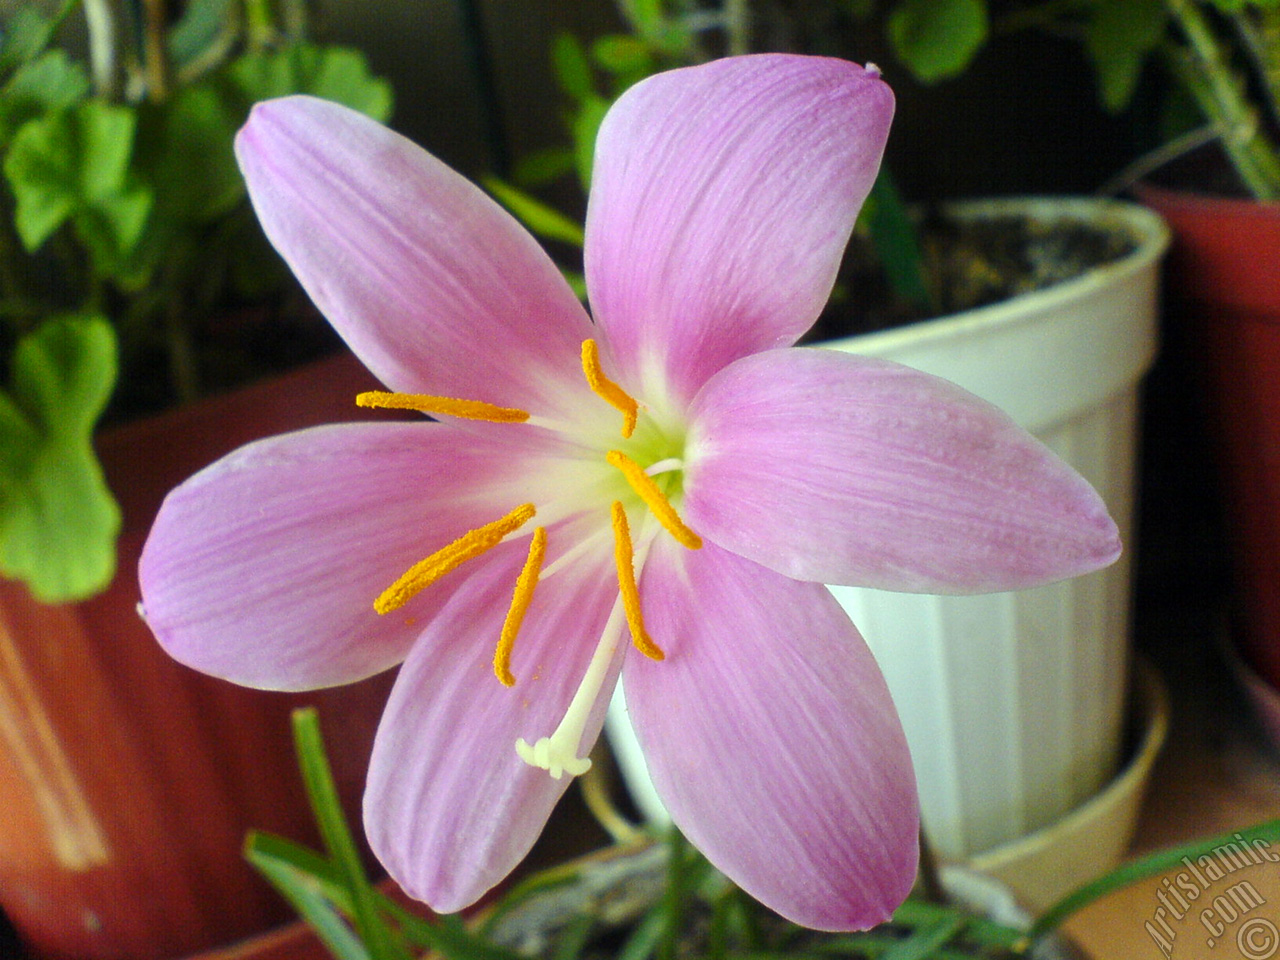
558	753
572	554
669	465
555	426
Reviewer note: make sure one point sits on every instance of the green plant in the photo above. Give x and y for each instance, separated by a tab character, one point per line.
660	35
125	229
1224	54
649	902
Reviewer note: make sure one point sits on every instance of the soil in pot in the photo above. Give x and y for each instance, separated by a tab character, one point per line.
967	263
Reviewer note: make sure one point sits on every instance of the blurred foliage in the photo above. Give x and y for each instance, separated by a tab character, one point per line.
126	228
646	900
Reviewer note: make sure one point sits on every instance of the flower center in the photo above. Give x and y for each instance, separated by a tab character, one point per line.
649	477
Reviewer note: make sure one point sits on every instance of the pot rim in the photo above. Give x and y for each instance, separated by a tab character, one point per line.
1147	228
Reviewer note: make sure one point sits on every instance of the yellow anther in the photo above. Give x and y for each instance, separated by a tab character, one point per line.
471	544
519	604
466	409
623	557
656	500
607	390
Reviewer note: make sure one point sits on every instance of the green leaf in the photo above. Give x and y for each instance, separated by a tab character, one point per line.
1119	38
201	26
340	74
542	166
323	794
49	82
58	520
188	154
644	938
28	32
572	69
74	164
545	221
894	235
645	16
923	943
327	890
937	39
577	282
586	124
573	940
622	55
300	884
1149	866
112	226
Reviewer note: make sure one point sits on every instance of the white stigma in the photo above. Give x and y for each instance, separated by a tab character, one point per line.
554	756
558	753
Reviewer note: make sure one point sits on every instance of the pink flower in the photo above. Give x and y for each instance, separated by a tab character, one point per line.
659	494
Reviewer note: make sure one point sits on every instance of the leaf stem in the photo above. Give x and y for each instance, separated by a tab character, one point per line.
101	23
1259	32
737	26
155	58
1221	93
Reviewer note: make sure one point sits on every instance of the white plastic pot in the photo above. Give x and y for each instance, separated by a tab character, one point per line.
1013	703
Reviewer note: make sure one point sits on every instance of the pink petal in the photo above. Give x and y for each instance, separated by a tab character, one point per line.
830	467
450	808
433	285
721	201
263	568
772	740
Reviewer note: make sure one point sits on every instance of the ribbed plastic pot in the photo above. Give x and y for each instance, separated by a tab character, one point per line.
1013	703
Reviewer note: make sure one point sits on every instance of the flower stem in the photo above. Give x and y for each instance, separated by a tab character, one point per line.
737	26
183	370
1221	94
155	57
101	23
930	878
259	30
1259	32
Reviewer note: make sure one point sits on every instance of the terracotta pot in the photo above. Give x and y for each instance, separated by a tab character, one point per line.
127	781
1224	273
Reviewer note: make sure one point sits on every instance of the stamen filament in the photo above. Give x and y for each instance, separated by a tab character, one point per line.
471	544
607	390
558	753
655	499
624	560
527	580
466	409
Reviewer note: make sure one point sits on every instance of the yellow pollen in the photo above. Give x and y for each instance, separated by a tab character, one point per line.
519	604
466	409
471	544
607	390
622	555
655	499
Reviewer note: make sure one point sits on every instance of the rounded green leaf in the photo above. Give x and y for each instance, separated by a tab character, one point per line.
937	39
1119	38
58	520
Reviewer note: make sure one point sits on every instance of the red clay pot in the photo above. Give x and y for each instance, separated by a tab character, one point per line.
127	781
1225	266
